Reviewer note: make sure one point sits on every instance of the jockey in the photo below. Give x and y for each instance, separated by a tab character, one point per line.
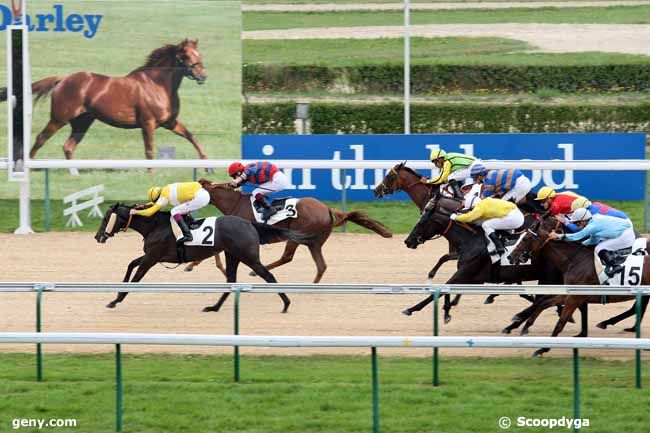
494	214
608	233
507	184
556	203
266	175
185	197
455	168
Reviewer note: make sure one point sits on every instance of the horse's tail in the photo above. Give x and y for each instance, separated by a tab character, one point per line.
269	234
42	88
362	219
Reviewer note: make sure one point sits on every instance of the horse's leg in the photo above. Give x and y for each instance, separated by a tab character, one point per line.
179	129
264	273
441	261
543	305
584	316
148	127
190	266
127	276
570	305
644	306
47	132
287	256
417	307
490	299
317	255
232	263
145	263
80	126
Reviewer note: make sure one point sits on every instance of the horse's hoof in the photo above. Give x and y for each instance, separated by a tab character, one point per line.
602	325
110	305
516	318
580	335
506	331
252	274
188	269
632	329
524	331
407	312
538	353
209	309
488	301
447	319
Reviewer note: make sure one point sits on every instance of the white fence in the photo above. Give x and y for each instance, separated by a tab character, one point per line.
92	203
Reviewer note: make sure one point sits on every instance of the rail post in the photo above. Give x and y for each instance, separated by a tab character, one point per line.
46	197
639	294
238	289
375	392
39	353
118	388
576	387
436	367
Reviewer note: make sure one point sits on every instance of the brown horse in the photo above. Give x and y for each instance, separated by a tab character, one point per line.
314	217
576	262
147	98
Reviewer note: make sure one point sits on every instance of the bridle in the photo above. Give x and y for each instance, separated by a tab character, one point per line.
108	231
387	190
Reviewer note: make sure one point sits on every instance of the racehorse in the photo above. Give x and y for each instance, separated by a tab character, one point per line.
576	262
146	98
240	239
403	178
314	218
474	263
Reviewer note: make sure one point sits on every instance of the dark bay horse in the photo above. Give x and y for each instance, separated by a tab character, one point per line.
314	218
474	264
240	239
576	262
146	98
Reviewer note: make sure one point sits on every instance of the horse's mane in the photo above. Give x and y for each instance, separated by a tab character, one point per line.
410	170
163	56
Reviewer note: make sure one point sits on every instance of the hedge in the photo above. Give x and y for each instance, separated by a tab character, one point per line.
431	79
333	118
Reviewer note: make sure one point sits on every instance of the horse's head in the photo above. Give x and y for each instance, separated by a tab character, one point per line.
398	178
190	59
534	239
434	221
116	218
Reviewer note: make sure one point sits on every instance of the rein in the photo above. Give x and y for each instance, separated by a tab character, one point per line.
128	223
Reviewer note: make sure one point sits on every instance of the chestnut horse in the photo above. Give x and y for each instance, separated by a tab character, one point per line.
576	262
314	218
146	98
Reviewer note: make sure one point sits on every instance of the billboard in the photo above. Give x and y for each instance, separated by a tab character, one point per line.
359	183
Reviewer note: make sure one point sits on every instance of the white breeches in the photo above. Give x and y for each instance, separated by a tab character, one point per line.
201	199
462	174
278	183
519	190
512	220
625	240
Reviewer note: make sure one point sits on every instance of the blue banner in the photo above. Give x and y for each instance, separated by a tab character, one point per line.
359	183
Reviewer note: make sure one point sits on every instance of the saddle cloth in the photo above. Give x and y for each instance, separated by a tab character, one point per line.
510	241
632	267
286	207
203	231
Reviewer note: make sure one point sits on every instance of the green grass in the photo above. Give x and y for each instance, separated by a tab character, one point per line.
190	393
299	2
128	32
593	15
457	50
399	216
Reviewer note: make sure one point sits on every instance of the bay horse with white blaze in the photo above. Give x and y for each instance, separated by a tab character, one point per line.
314	218
146	98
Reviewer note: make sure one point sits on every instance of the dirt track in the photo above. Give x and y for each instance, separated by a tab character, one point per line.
351	258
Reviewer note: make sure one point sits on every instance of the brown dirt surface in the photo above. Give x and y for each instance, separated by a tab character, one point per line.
352	258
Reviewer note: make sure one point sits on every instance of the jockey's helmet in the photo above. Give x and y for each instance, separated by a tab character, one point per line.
437	153
234	168
545	192
580	203
581	214
478	169
154	193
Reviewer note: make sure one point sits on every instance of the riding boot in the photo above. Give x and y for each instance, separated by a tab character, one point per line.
498	245
187	234
455	188
612	262
267	210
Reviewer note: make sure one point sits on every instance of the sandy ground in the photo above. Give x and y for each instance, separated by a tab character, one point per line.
352	258
435	6
558	38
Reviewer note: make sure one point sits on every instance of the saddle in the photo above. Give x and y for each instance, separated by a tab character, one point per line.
276	205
